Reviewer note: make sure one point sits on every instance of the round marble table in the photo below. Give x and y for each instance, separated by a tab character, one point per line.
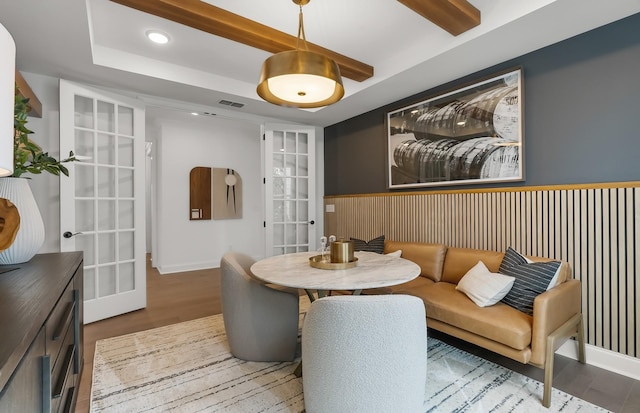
372	271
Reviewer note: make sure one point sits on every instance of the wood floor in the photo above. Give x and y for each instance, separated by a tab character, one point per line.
174	298
171	298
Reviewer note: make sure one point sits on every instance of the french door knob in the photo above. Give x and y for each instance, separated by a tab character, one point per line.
68	234
312	222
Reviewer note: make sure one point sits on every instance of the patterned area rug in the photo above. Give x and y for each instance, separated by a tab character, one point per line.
187	367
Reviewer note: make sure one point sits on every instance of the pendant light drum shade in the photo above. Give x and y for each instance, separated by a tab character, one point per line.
7	92
300	78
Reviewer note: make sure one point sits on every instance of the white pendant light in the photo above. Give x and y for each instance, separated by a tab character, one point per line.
7	93
300	78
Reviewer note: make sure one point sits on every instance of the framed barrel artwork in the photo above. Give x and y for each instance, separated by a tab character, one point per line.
469	135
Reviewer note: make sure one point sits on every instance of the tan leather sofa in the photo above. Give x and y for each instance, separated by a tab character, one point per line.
500	328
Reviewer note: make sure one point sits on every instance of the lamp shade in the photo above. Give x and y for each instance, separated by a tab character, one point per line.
7	92
300	78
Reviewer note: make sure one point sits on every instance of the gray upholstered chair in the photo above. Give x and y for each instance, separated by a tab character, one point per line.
261	322
364	354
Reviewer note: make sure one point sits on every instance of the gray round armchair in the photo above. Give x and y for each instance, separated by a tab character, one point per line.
261	321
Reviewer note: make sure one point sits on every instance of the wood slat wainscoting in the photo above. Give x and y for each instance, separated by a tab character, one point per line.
595	227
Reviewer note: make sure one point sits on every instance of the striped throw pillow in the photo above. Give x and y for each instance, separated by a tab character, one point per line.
375	245
531	279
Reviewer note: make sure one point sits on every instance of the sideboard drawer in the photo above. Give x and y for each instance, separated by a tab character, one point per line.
58	323
62	377
40	334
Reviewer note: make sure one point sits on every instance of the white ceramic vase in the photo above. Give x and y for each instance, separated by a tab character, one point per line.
30	236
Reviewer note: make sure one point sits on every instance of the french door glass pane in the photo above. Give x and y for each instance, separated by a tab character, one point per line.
126	277
84	185
278	234
106	117
106	215
303	233
106	149
85	242
290	142
278	211
83	144
278	141
125	183
303	211
303	143
125	151
303	188
303	165
278	188
106	182
289	211
125	214
290	166
125	246
84	215
89	287
290	234
106	247
289	188
83	112
106	280
278	164
125	120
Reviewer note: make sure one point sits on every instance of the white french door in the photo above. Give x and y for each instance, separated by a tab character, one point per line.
102	203
290	176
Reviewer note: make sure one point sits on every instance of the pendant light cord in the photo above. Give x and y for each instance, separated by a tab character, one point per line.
301	32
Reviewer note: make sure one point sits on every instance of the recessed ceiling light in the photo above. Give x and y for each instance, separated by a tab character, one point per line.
195	113
157	37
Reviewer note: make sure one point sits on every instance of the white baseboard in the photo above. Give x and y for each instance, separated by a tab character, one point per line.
170	269
603	358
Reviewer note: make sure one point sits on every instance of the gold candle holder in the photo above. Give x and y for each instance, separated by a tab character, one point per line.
341	251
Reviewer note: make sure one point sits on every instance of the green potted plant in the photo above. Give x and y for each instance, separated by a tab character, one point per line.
28	158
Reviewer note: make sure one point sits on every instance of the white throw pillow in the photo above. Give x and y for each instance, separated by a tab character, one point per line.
484	287
396	254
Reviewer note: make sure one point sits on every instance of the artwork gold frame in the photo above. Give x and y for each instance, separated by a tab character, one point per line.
469	135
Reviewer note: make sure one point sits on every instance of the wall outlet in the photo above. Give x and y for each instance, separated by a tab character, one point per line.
330	208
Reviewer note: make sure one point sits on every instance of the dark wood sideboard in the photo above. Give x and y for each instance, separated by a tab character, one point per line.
41	336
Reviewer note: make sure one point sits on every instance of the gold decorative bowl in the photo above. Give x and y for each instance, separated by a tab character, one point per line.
317	262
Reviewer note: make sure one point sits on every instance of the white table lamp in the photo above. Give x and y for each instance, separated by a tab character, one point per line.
7	92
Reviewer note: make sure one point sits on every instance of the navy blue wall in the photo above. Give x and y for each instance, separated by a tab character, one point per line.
581	110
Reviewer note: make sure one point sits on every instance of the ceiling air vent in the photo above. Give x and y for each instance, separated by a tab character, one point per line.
230	103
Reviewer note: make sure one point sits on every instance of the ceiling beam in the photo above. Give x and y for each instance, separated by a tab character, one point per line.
455	16
211	19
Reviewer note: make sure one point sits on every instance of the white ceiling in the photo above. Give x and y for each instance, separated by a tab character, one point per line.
102	43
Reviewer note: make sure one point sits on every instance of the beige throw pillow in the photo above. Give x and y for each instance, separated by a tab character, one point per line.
484	287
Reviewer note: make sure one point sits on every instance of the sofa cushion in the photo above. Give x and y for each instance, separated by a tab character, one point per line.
415	284
484	287
461	260
430	257
531	279
375	245
500	322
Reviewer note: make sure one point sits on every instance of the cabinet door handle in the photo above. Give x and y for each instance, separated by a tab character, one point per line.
67	404
66	367
46	384
64	322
